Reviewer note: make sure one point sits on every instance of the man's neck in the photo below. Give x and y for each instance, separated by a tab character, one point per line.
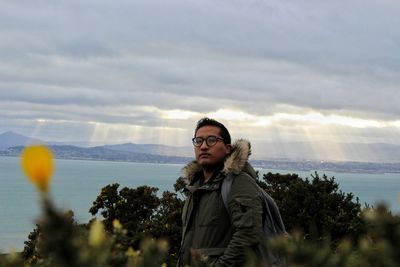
208	174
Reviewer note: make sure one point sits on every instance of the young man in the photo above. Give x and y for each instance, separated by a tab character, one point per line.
210	232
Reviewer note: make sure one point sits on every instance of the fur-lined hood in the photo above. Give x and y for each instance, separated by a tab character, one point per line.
235	162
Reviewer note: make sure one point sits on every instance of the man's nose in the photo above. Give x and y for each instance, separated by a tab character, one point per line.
204	145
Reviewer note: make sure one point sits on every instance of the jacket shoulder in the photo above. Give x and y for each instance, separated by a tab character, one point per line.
243	185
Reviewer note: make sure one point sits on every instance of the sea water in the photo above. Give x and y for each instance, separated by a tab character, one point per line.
77	183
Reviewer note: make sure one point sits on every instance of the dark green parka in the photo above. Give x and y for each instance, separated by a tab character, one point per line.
209	232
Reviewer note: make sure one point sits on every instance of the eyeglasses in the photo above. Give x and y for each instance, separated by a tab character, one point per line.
210	140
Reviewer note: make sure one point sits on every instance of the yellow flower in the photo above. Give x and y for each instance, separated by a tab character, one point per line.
132	253
13	255
117	225
37	163
97	235
162	245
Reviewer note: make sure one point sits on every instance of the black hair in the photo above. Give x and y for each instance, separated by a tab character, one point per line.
211	122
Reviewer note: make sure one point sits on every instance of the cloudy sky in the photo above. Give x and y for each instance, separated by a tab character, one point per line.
145	71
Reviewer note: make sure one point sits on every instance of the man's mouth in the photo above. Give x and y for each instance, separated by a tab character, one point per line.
202	155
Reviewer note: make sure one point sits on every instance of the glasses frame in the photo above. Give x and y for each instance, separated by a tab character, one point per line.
207	140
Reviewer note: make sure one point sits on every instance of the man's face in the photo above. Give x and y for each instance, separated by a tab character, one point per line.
212	156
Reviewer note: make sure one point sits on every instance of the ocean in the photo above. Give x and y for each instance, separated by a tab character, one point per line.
76	184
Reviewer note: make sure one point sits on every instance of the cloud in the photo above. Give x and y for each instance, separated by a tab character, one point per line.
160	65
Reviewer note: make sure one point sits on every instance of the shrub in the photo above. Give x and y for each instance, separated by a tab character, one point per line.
316	207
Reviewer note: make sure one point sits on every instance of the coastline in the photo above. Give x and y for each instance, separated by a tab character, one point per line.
293	165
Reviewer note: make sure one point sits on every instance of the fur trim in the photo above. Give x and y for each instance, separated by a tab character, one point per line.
190	170
234	163
240	154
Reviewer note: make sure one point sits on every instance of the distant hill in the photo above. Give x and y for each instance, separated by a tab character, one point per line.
10	139
100	153
267	151
153	149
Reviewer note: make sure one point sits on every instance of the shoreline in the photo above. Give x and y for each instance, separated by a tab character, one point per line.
291	166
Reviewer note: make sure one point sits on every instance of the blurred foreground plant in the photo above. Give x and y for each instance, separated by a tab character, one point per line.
58	241
378	247
63	243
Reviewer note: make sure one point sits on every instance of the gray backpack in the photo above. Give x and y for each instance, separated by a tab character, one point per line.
272	222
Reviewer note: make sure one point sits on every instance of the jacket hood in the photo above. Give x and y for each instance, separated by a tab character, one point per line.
235	162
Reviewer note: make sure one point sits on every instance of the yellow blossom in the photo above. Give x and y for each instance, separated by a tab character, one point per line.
117	225
162	245
13	255
96	234
370	215
132	253
37	163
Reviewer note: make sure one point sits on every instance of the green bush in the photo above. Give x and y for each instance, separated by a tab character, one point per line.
142	214
315	207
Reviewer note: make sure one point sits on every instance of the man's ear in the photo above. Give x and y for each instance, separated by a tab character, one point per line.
228	148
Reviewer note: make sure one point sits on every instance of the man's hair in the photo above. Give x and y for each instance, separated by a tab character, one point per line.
211	122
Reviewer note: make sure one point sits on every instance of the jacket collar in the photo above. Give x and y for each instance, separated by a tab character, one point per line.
235	162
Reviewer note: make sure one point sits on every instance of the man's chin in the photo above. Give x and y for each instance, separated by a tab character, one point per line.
205	162
209	164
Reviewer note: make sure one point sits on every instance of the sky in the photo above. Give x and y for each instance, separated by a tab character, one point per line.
322	72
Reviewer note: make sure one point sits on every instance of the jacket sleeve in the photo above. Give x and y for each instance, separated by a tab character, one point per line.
245	205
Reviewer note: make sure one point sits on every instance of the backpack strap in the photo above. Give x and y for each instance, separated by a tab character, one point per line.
225	190
273	216
272	221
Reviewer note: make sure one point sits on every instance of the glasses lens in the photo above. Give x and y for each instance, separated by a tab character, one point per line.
211	140
197	141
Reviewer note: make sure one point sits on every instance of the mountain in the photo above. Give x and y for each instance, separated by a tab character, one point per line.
10	139
307	156
153	149
287	151
100	153
75	143
328	151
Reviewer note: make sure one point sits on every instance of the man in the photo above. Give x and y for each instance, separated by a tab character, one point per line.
211	233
